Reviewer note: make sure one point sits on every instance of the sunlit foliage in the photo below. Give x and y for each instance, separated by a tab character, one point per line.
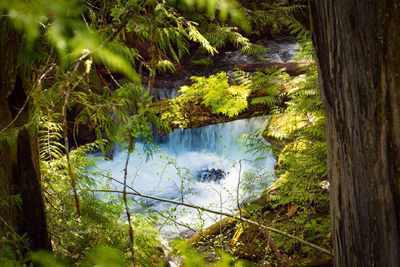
67	46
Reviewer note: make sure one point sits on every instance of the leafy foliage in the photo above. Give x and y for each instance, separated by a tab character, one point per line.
213	91
219	36
298	200
228	95
63	30
301	167
75	40
101	222
191	257
169	28
276	16
268	85
216	93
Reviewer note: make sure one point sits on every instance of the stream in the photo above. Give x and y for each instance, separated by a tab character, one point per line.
200	166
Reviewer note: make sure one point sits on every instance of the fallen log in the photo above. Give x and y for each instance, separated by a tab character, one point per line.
213	230
197	115
194	114
292	68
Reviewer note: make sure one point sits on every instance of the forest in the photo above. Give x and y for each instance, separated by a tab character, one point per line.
199	133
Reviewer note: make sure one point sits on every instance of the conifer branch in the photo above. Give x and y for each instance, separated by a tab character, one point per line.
120	26
154	53
111	37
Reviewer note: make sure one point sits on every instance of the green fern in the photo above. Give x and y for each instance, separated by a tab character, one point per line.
49	137
218	94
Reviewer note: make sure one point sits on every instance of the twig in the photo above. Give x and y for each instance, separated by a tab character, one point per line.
9	226
238	187
112	77
66	143
39	82
120	26
116	180
185	225
86	23
128	214
218	213
273	246
92	6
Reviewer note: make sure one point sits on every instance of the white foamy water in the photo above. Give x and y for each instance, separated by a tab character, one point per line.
171	172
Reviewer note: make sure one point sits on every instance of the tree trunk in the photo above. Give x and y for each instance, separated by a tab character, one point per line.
357	46
19	163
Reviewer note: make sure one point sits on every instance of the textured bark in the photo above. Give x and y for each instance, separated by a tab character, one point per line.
357	46
19	163
7	80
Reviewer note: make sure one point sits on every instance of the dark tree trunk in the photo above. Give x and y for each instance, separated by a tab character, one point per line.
19	163
357	46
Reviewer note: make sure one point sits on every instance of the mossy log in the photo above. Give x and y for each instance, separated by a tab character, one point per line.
198	115
213	230
195	114
248	241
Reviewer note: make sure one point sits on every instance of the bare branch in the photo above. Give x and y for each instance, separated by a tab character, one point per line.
66	143
128	214
218	213
92	6
238	187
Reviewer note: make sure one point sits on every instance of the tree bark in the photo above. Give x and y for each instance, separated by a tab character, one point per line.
19	162
357	46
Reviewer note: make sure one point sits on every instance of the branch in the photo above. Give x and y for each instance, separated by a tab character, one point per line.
92	6
218	213
111	37
238	187
66	143
128	214
275	248
120	26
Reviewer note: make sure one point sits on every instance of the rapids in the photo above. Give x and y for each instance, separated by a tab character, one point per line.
185	155
171	171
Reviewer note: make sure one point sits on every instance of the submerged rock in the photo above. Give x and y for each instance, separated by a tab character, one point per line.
210	175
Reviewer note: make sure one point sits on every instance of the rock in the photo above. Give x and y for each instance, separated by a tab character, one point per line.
210	175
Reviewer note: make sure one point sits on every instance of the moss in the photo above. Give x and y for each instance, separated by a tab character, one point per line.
250	242
195	115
